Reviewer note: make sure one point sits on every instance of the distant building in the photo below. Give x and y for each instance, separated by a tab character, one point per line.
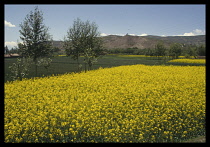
11	55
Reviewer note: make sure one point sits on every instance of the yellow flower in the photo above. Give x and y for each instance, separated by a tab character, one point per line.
200	61
135	103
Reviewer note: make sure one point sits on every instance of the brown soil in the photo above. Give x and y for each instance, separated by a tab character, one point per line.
200	139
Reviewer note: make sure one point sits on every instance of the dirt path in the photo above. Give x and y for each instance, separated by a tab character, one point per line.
200	139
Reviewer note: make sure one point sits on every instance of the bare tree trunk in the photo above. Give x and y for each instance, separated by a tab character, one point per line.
85	67
36	69
19	73
78	63
35	61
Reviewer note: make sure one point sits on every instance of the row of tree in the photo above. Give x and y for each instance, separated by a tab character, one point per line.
82	39
175	50
11	51
15	50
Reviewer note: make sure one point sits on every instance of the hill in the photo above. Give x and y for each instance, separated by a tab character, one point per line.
200	39
141	42
127	41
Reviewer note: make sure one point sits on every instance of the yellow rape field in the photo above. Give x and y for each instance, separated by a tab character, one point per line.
135	103
196	61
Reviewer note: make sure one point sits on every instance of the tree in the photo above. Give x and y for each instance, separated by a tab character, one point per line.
160	49
175	50
202	50
6	50
92	54
36	39
149	52
14	50
20	69
83	39
56	50
193	51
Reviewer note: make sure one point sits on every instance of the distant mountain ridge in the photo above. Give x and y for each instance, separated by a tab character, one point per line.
141	42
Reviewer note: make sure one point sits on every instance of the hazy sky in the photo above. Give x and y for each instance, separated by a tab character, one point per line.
141	20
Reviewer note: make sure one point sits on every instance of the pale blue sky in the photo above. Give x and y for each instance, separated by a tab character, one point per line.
161	20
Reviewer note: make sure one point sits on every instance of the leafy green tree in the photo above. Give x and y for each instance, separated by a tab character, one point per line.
149	52
20	69
202	50
72	41
14	50
36	39
193	51
83	39
175	50
92	54
56	50
160	49
6	50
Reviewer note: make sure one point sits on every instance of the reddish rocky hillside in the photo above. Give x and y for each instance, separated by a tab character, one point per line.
141	42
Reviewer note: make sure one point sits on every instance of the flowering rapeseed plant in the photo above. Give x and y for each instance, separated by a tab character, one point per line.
136	103
196	61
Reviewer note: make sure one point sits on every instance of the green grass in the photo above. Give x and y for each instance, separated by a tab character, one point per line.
186	64
63	64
